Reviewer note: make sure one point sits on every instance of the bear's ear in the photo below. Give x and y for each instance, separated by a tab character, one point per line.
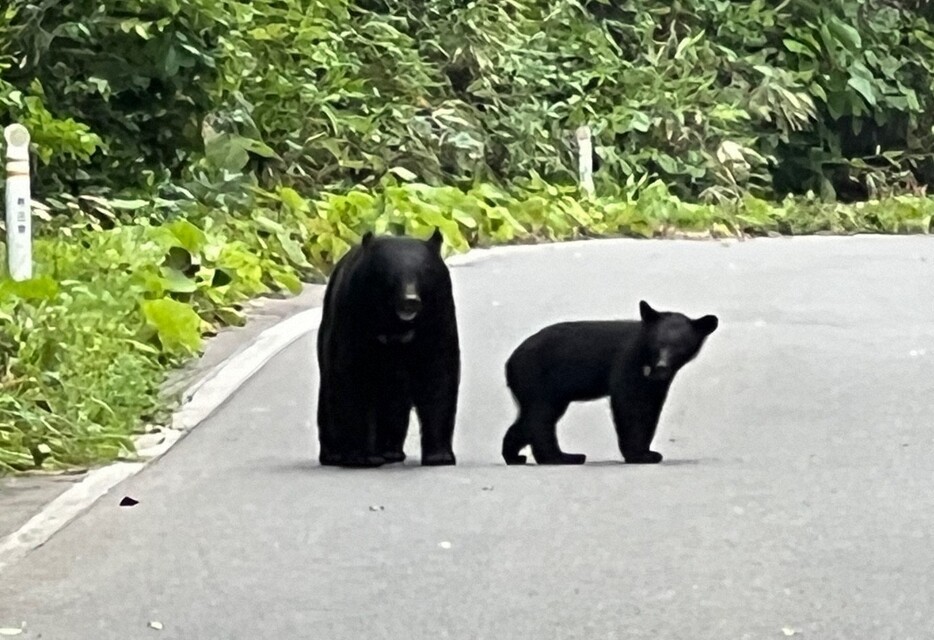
706	325
649	315
366	239
436	240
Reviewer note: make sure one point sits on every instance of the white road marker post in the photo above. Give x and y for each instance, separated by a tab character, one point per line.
585	160
18	202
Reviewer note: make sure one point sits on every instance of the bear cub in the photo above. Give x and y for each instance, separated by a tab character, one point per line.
633	362
388	342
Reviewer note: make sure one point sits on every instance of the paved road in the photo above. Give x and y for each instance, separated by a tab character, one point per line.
797	491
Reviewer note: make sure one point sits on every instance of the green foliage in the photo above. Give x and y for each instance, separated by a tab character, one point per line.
716	98
114	92
85	345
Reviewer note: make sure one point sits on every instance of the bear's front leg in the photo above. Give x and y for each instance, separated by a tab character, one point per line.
393	414
646	457
435	394
353	430
436	416
636	419
329	453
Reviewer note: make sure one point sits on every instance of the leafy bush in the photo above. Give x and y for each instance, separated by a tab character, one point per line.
715	98
113	92
85	345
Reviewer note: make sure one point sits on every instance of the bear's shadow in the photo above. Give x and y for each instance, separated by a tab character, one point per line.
312	466
674	462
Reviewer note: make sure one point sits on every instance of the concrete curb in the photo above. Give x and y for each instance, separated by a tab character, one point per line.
200	400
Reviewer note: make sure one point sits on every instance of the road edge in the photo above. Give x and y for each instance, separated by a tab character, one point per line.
201	399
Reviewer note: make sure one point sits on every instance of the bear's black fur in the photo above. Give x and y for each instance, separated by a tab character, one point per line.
632	362
388	342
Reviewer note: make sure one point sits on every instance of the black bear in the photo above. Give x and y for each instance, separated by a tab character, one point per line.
633	362
388	342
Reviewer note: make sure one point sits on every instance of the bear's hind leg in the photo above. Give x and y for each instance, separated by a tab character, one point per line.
515	441
541	427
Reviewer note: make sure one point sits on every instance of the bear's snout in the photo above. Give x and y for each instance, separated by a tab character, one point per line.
660	371
409	306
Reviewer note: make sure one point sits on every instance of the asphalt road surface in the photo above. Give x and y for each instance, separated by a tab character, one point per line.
796	498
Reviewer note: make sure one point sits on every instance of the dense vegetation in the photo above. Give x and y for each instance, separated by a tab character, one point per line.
191	154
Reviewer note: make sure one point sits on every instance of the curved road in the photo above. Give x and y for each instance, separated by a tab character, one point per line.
796	497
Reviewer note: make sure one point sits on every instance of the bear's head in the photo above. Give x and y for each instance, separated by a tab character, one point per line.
671	340
406	274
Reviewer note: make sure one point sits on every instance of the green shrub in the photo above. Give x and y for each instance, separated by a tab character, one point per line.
715	98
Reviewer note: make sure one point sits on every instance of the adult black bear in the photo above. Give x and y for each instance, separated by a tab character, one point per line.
630	361
388	341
